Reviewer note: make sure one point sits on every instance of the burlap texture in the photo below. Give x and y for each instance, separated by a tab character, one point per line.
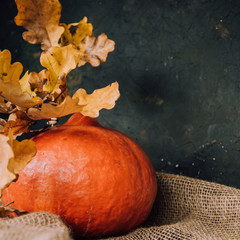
185	208
34	226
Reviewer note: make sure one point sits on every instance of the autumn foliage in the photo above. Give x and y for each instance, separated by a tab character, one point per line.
32	96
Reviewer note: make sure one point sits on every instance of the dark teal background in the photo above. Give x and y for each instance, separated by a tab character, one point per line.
178	67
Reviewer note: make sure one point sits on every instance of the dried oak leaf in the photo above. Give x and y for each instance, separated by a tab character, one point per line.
87	104
15	156
58	61
8	71
52	110
3	123
37	81
82	30
41	19
94	50
10	87
66	37
5	107
5	211
99	99
18	122
60	91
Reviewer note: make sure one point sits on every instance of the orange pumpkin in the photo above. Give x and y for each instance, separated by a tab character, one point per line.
97	179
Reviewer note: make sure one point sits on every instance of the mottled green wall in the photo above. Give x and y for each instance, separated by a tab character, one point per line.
177	63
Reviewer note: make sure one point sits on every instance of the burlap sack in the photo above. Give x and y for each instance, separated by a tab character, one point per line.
34	226
185	208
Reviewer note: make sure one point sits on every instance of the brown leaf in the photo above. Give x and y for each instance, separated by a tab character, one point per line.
95	49
5	211
5	107
18	122
87	104
41	19
2	125
60	91
37	81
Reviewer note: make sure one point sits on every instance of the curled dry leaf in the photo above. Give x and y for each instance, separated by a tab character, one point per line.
82	30
2	125
12	92
37	81
5	107
95	49
14	157
87	104
5	211
66	37
53	110
60	91
18	123
41	19
10	87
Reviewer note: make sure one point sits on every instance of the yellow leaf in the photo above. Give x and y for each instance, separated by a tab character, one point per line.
83	29
59	60
99	99
41	19
51	110
87	104
66	37
25	85
24	151
14	157
10	87
12	92
95	49
9	72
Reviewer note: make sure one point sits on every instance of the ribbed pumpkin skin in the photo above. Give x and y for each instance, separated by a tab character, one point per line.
97	179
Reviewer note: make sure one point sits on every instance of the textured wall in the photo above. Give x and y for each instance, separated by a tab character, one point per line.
177	63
